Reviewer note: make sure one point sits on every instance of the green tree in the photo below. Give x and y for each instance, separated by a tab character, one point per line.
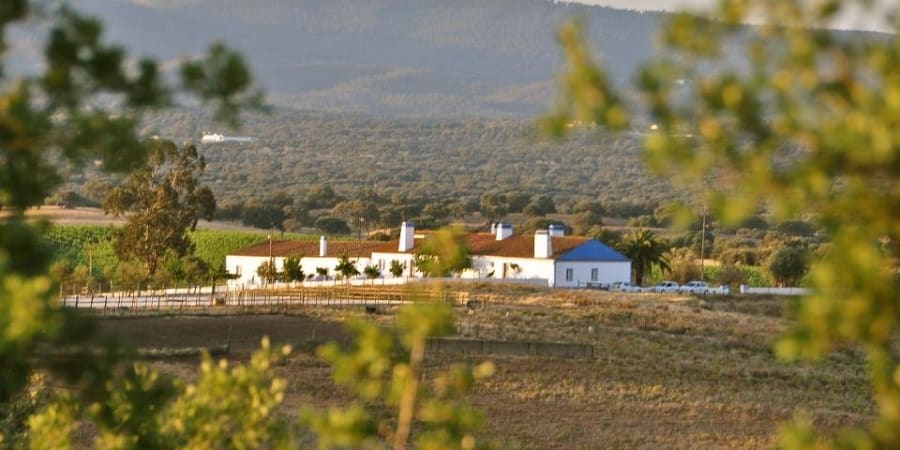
291	270
788	265
540	205
644	250
346	267
129	275
81	278
267	271
731	275
540	223
397	268
322	196
332	225
263	215
807	125
60	272
372	272
605	235
493	207
195	270
796	228
162	201
682	264
363	214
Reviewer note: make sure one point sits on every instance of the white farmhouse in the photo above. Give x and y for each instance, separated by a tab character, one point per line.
548	257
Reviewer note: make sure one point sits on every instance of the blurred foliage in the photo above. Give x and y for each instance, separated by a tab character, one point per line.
63	113
799	120
443	253
226	407
126	404
392	393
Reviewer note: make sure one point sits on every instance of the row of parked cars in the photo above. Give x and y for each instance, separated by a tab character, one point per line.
692	287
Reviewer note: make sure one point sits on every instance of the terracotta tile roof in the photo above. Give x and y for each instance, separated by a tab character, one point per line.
486	244
519	246
310	248
392	246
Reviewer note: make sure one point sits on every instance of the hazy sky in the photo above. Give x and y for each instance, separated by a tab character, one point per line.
865	20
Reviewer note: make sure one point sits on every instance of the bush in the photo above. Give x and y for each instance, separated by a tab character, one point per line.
731	275
683	266
787	265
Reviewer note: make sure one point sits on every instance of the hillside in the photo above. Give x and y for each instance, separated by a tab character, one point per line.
455	159
410	58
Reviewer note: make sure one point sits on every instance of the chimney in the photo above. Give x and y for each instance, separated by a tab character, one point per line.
493	228
407	236
323	246
543	248
557	230
504	230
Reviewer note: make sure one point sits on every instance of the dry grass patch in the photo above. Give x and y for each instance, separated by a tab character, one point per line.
669	372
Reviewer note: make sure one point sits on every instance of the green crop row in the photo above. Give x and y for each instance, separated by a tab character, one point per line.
79	244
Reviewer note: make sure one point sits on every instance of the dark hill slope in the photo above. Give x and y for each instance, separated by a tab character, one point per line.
400	57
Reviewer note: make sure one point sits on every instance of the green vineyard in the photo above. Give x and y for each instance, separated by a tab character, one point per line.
81	245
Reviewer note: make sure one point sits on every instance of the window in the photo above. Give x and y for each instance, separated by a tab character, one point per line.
595	274
569	275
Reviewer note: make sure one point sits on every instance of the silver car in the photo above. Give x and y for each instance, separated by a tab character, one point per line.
624	286
665	286
695	287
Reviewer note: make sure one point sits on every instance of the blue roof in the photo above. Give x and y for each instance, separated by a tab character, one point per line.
593	250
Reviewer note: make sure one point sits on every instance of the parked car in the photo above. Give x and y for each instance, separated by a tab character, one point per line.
624	286
695	287
665	286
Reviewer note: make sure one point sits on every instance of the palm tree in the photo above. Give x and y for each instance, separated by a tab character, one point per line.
645	250
346	268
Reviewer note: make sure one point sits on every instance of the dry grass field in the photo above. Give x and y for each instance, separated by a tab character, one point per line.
681	373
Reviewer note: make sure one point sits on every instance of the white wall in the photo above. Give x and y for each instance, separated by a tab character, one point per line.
246	266
383	260
310	263
529	268
775	291
608	272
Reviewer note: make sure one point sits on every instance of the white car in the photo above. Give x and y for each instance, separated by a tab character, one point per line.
665	287
624	286
695	287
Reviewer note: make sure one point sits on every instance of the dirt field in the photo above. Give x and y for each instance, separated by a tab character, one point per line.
668	372
95	216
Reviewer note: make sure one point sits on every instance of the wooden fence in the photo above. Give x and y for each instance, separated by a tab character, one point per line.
274	297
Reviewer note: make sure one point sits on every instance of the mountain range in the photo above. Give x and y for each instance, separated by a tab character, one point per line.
401	58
